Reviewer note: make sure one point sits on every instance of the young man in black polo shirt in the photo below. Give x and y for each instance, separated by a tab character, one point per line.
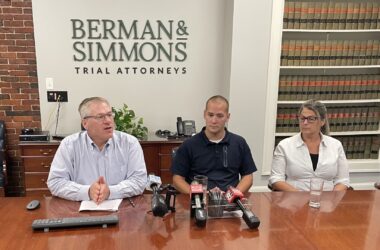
215	152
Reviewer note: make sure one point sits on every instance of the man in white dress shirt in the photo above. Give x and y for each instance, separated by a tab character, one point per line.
98	163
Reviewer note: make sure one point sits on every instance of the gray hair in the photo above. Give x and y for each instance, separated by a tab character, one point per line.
84	105
320	110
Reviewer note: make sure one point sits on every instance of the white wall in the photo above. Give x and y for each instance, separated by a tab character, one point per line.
159	99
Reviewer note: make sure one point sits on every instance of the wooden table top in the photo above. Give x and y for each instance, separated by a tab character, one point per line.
346	220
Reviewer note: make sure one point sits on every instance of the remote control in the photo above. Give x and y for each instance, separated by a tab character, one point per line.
45	224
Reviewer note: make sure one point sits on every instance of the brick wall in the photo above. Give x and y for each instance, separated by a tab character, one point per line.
19	98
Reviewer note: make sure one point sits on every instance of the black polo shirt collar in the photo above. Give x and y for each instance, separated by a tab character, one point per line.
225	140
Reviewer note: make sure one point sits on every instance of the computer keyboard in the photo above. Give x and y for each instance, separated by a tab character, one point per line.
46	224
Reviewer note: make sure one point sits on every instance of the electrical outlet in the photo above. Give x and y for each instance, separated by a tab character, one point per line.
57	96
49	83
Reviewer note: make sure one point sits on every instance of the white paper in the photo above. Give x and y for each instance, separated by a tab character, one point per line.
107	205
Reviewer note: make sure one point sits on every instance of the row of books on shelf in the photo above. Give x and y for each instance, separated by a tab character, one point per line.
357	147
331	15
354	118
330	52
329	87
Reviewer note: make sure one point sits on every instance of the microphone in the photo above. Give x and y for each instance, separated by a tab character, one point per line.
158	204
197	207
234	195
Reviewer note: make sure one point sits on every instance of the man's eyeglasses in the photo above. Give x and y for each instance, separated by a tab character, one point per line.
101	117
310	119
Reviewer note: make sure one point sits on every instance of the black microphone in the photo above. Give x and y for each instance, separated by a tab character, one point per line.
197	208
234	195
158	204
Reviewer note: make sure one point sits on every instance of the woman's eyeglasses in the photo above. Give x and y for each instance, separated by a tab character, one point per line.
310	119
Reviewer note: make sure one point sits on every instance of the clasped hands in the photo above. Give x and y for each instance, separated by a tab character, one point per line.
99	190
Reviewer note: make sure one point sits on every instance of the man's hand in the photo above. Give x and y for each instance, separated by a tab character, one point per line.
99	190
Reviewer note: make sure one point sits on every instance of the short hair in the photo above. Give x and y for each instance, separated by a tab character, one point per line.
218	98
84	105
320	110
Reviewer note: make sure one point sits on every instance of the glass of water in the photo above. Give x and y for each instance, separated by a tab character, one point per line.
202	179
316	188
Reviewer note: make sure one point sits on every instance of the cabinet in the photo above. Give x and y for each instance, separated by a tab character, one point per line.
327	50
37	158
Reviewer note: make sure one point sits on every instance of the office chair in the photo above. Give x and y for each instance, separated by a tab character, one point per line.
377	185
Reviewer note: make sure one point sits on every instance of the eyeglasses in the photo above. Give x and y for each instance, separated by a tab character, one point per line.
310	119
101	117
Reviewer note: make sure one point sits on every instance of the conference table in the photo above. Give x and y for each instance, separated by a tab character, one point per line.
346	220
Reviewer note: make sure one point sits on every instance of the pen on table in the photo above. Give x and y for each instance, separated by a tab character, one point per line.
131	201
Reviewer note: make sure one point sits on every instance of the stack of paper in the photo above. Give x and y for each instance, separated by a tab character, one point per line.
107	205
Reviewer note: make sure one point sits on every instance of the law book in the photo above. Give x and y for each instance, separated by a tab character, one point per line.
351	117
377	83
374	15
324	91
356	150
286	120
303	53
339	52
290	14
321	54
368	15
347	87
297	15
357	114
291	52
375	145
317	87
371	87
330	15
333	53
324	11
309	52
344	57
336	16
341	88
287	90
376	119
339	124
281	88
303	15
328	82
368	53
333	118
353	87
317	15
350	53
355	16
327	53
342	16
300	81
363	49
293	88
335	87
293	121
297	53
279	120
367	147
310	15
316	53
364	87
362	13
371	119
284	52
358	86
285	19
311	87
361	147
346	119
350	15
375	52
363	118
350	148
305	87
356	53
